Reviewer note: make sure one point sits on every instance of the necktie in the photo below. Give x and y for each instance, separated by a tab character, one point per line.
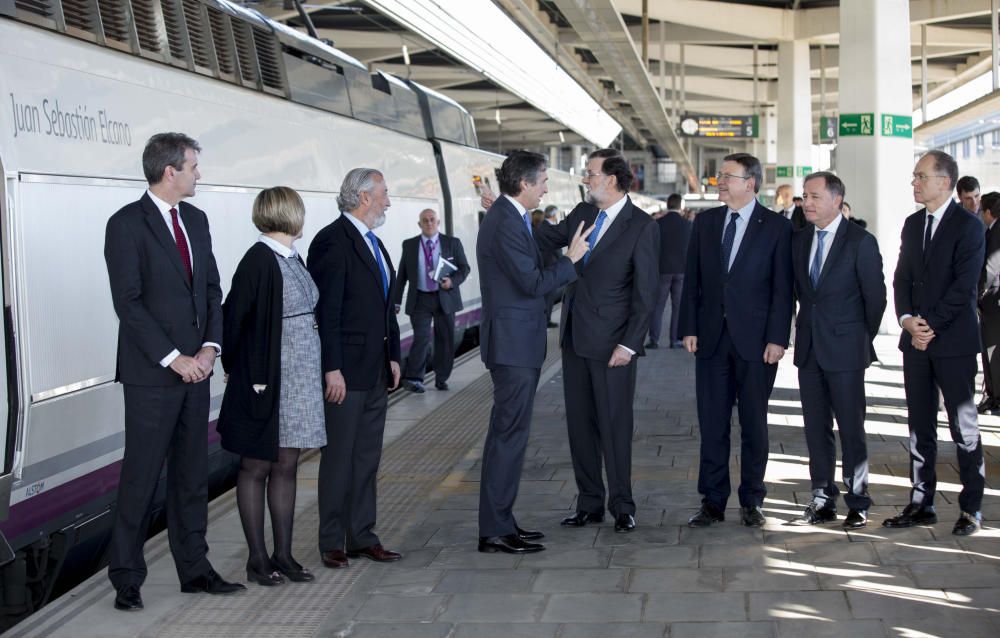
817	264
592	238
429	282
527	223
182	244
381	265
727	240
927	233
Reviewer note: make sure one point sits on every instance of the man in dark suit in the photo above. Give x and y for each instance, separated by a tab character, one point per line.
736	312
359	338
675	232
841	292
513	340
605	316
165	290
789	206
940	262
968	193
989	305
430	300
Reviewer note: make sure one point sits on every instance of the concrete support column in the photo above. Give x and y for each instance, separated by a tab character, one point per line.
794	111
875	72
554	157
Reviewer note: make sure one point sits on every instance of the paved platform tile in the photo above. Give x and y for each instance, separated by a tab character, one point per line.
593	608
384	608
676	579
567	581
614	630
723	630
796	605
505	630
827	628
518	608
770	579
663	556
681	607
489	581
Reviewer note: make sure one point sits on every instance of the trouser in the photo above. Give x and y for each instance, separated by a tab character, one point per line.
506	441
348	468
670	287
163	423
955	376
825	395
427	310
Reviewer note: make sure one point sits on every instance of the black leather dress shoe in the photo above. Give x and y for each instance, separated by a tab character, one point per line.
856	519
376	553
752	516
966	525
913	514
581	518
815	514
707	515
986	405
441	385
509	544
652	345
624	523
528	535
211	583
128	598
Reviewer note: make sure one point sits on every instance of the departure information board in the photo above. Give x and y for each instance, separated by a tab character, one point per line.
719	126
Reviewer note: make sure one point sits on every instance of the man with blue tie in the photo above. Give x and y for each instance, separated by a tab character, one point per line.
841	292
736	310
359	338
605	315
513	341
935	288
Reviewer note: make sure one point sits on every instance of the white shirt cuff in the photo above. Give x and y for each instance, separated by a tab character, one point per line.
630	350
167	360
903	318
212	344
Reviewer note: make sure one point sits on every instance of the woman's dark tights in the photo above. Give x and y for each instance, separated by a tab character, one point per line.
278	479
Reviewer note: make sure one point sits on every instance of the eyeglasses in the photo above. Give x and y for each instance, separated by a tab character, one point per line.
727	176
923	177
591	175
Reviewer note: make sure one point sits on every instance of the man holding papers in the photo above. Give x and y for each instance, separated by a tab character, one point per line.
434	266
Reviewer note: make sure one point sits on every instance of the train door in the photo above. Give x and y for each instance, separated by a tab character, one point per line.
8	387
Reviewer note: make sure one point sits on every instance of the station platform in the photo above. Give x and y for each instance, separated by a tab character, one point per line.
664	579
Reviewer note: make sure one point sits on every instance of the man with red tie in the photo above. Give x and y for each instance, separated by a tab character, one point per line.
165	290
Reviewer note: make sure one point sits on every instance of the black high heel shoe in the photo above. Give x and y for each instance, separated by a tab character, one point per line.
268	577
292	570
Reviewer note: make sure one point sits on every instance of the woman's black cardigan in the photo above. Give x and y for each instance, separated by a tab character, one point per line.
251	355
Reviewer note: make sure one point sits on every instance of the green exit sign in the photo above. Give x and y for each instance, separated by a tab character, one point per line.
786	171
897	125
802	171
856	124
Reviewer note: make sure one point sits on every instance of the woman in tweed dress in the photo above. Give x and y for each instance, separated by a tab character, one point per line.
273	404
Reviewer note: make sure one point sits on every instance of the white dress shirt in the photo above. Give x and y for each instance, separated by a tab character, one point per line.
164	209
364	230
277	246
831	232
742	222
611	212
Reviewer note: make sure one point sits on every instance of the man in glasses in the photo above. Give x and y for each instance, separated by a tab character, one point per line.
935	288
736	311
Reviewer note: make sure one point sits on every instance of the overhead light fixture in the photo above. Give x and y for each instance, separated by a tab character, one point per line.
496	116
480	35
562	138
406	56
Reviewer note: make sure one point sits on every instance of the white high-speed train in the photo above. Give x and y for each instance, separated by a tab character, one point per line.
83	85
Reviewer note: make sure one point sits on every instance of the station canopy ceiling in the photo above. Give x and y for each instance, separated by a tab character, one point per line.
598	43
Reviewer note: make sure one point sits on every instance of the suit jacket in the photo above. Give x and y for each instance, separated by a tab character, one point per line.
799	220
675	233
158	309
357	324
514	284
754	298
941	287
450	248
610	302
839	318
989	280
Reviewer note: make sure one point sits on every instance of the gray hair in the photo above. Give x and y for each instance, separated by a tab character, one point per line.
357	181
